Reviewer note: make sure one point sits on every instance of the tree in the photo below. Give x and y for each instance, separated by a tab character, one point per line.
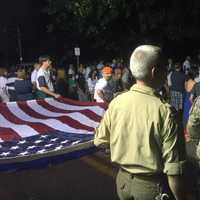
115	26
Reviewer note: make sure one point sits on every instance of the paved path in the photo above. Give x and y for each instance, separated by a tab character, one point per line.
89	178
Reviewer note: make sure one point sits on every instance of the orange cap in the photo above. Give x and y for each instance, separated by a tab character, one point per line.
107	70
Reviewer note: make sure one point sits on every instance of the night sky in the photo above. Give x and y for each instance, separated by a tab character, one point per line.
27	15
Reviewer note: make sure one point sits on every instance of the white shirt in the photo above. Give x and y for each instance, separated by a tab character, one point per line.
34	76
103	86
46	75
186	65
71	71
91	85
87	71
3	89
169	81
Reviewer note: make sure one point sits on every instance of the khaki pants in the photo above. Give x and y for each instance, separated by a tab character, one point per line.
134	187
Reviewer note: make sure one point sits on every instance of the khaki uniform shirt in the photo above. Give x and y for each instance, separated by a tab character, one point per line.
194	125
194	120
142	134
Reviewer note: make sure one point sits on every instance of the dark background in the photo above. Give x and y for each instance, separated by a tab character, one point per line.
103	30
25	15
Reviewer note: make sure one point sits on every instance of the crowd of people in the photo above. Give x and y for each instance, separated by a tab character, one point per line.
99	82
45	80
136	95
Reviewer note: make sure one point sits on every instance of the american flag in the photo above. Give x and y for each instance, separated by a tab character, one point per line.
40	132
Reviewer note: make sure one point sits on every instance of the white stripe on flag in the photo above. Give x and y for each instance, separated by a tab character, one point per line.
53	123
76	115
21	130
96	109
10	88
11	80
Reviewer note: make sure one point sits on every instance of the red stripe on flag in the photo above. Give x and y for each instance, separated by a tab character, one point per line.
80	103
64	119
88	113
40	128
7	134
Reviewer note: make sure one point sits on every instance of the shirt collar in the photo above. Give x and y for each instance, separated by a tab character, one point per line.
143	88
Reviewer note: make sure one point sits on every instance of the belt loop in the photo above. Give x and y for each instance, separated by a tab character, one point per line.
132	176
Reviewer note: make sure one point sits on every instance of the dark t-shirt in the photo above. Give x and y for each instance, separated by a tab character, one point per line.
23	86
178	81
23	89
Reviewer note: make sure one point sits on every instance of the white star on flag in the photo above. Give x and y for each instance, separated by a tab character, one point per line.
59	147
31	147
41	151
22	142
23	153
5	154
14	148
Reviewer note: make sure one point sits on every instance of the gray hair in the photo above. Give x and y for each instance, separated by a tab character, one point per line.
142	60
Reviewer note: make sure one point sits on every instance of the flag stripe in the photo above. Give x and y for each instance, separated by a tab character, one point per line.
22	130
65	119
8	134
90	114
63	105
75	115
80	104
53	123
13	117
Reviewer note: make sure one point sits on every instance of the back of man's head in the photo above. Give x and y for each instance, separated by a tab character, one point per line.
143	59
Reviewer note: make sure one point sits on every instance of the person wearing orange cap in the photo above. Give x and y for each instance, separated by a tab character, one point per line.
103	91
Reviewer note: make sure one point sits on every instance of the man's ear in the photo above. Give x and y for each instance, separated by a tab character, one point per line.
153	72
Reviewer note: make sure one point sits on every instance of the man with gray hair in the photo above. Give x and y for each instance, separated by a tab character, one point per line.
143	136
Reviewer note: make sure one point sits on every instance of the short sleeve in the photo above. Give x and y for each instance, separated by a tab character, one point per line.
173	146
33	76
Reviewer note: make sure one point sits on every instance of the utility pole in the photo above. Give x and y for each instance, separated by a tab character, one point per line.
77	54
19	44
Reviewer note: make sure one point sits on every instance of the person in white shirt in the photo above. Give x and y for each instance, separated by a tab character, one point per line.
34	74
103	91
87	72
187	65
44	83
4	97
91	81
71	70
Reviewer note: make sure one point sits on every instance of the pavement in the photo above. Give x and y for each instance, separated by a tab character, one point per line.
88	178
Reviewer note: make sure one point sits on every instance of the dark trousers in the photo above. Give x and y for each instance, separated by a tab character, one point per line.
137	187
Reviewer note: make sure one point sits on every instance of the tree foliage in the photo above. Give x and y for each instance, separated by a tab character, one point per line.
115	25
